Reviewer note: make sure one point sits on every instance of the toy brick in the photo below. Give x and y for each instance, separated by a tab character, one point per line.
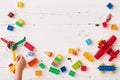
18	23
11	14
83	68
59	56
71	73
10	28
113	27
104	24
56	62
42	65
38	72
53	64
77	64
88	56
49	53
54	70
57	59
63	69
109	5
88	41
20	4
70	50
109	17
33	62
30	53
29	46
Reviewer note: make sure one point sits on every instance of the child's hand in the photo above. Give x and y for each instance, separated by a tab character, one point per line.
21	63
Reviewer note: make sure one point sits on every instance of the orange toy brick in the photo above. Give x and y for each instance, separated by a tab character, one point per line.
38	72
33	62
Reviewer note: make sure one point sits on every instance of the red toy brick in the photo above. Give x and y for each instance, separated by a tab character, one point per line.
109	17
10	14
33	62
104	24
29	46
83	68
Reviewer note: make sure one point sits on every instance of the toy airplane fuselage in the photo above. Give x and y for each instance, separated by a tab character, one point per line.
105	47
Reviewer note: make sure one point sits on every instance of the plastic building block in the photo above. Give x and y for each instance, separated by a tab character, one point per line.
21	41
71	73
83	68
29	46
4	40
77	64
70	50
109	5
38	72
20	4
10	28
57	60
54	70
88	41
73	51
103	68
88	56
113	27
13	54
19	22
12	67
33	62
109	17
50	54
105	47
42	65
104	24
30	53
11	14
63	69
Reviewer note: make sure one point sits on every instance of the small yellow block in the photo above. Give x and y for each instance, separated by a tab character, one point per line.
20	21
20	4
88	56
70	50
113	26
38	72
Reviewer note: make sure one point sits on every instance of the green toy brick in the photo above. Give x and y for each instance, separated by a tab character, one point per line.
57	59
54	70
42	65
71	73
77	64
18	24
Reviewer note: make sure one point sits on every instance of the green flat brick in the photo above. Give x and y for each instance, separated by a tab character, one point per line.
57	59
71	73
42	65
18	24
54	70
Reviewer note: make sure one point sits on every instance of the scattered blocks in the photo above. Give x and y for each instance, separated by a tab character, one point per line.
71	73
30	53
50	54
33	62
63	69
42	65
29	46
88	56
109	5
83	68
57	60
19	22
113	27
11	14
38	72
77	64
54	70
20	4
88	41
10	28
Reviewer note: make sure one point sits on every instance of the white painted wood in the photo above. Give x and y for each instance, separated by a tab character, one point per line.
56	25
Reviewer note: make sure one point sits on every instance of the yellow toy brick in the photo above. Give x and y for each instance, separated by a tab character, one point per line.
113	27
38	72
70	50
13	55
20	21
88	56
20	4
59	56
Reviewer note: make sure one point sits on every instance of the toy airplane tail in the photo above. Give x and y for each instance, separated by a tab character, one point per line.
114	55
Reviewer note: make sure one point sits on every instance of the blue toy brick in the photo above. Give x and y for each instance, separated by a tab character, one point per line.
110	5
107	68
88	41
63	69
10	28
30	53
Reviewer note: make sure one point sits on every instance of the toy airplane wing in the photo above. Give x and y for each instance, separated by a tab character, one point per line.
114	55
111	40
99	53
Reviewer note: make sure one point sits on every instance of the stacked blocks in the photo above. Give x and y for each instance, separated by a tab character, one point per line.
33	62
12	68
10	28
42	65
71	73
109	5
77	64
29	46
88	56
83	68
54	70
19	22
38	72
30	53
11	14
20	4
73	51
63	69
57	60
88	41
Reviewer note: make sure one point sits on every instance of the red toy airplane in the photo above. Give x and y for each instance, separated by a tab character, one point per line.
105	47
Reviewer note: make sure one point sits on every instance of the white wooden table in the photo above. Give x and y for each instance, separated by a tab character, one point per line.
56	25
